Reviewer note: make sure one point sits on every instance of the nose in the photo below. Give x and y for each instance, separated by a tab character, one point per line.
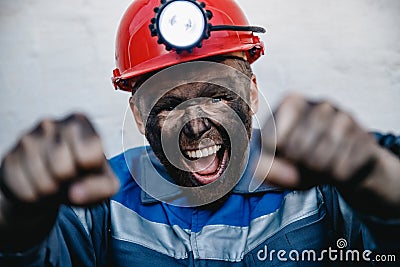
195	128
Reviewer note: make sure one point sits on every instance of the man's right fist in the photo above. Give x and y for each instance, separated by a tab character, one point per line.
62	158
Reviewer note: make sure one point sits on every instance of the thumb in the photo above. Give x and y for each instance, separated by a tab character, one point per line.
276	171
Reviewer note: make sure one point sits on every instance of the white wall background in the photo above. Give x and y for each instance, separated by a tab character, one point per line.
57	56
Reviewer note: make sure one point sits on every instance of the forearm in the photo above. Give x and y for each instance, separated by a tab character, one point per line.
379	194
24	237
376	203
23	226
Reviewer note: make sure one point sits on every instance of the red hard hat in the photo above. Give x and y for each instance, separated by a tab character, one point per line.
138	52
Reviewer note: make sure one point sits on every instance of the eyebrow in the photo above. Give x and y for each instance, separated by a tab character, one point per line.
168	100
212	89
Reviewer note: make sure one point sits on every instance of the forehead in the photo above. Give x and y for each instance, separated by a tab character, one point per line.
234	60
191	79
196	89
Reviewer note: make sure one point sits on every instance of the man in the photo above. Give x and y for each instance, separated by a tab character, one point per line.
197	195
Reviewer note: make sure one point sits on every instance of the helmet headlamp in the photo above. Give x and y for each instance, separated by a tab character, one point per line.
183	25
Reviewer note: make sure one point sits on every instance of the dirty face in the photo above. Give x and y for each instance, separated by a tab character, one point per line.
196	113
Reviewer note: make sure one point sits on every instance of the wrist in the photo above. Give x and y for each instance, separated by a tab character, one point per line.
385	179
378	195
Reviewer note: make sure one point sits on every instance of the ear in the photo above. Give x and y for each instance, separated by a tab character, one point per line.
137	116
254	94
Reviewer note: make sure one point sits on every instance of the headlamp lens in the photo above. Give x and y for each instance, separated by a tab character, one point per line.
182	24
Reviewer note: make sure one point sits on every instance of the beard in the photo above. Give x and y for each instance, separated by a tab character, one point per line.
187	178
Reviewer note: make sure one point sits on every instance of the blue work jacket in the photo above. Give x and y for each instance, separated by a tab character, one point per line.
265	227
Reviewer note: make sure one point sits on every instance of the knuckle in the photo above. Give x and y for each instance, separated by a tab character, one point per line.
26	142
342	124
61	162
293	99
43	127
365	145
345	120
288	117
90	154
77	116
367	138
79	127
325	107
79	119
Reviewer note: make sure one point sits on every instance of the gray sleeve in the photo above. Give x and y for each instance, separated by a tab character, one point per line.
361	231
79	238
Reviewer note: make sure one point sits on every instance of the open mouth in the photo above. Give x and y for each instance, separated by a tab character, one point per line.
207	163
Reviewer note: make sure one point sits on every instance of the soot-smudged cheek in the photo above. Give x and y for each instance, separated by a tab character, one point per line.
171	128
220	116
161	118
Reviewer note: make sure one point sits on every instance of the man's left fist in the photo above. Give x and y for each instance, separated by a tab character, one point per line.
316	144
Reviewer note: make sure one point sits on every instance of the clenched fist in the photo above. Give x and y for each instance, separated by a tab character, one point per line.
58	162
318	144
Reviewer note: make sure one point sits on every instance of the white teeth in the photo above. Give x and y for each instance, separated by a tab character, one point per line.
205	152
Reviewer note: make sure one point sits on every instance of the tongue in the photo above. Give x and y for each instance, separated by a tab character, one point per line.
207	165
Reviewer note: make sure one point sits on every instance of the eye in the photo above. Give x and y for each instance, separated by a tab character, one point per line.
170	105
170	108
216	99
